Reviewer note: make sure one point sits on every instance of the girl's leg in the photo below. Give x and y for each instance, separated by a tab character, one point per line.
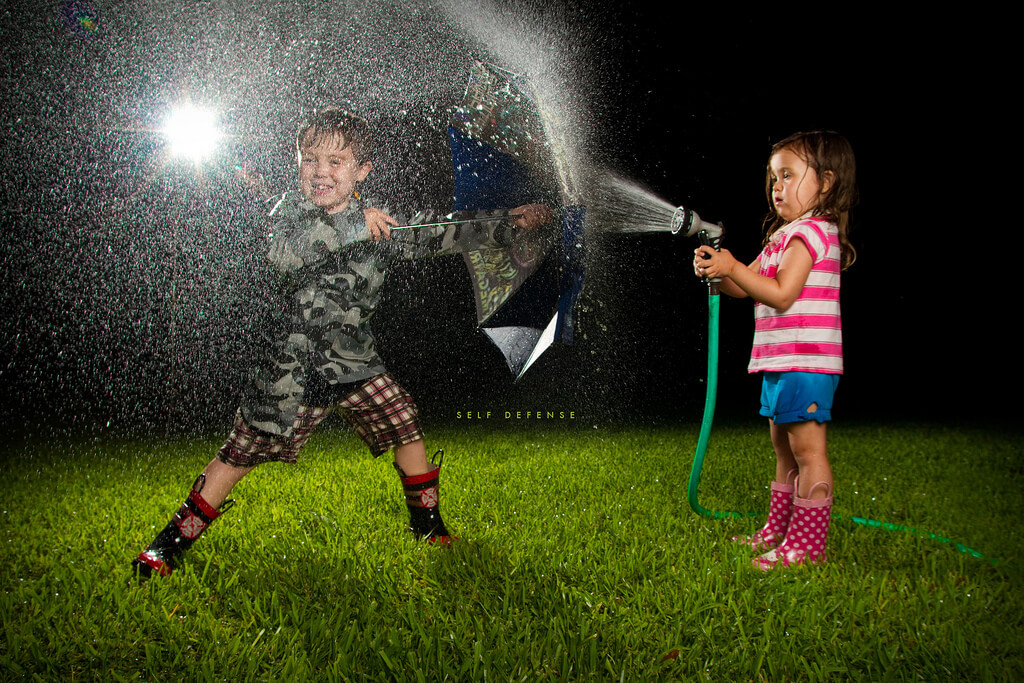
807	534
785	462
780	508
809	446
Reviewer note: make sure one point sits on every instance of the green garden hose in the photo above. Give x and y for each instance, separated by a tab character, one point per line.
714	300
709	411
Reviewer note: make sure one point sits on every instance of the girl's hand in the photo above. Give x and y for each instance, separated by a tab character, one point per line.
711	264
379	224
532	216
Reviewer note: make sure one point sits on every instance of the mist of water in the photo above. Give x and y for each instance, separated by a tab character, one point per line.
619	205
124	270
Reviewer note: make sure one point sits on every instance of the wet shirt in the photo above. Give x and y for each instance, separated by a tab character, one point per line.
806	337
324	282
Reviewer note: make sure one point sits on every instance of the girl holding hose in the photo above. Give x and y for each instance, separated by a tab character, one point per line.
797	346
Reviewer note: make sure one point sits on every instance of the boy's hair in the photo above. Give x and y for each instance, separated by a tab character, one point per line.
330	122
827	152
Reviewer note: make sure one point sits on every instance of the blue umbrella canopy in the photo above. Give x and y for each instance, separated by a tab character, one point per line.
504	154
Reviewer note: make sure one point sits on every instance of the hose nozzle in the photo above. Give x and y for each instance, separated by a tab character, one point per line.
687	220
709	234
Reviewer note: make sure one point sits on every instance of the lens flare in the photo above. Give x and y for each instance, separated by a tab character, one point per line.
80	18
192	133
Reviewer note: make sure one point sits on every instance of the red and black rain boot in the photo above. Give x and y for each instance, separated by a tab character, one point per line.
189	522
424	508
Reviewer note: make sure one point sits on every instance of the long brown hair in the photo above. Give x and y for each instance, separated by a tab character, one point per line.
827	152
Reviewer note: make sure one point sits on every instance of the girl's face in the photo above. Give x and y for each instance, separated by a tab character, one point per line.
328	172
795	185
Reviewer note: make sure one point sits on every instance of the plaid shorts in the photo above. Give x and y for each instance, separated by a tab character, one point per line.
380	411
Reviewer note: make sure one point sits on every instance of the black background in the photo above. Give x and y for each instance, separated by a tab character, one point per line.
95	228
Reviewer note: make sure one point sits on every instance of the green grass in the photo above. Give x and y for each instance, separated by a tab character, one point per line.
579	559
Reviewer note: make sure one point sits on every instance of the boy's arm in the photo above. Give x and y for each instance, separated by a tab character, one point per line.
495	231
379	224
304	239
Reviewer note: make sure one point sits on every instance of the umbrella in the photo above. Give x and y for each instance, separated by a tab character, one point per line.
506	152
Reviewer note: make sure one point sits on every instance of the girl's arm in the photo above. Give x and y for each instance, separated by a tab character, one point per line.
725	285
778	292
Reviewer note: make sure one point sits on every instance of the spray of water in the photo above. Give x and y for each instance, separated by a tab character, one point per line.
155	253
527	46
623	206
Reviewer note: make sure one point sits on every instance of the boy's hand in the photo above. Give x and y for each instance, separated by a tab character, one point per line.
379	224
532	216
252	181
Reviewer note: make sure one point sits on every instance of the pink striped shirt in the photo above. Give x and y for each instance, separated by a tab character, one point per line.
808	336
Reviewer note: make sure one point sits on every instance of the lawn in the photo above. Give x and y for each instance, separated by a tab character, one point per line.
579	559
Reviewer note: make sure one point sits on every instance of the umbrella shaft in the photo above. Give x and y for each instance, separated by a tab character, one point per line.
458	222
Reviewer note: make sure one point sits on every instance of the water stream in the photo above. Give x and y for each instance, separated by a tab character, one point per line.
620	205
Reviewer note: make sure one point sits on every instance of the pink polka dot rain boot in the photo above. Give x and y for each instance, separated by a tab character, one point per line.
807	534
780	511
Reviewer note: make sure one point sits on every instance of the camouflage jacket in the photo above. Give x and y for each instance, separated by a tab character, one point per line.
326	278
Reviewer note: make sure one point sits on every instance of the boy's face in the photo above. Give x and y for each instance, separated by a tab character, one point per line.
328	172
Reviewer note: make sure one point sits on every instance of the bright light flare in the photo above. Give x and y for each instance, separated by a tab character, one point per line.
192	132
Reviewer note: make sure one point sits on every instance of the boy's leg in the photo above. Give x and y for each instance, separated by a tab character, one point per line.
220	479
202	506
245	448
411	458
386	418
423	501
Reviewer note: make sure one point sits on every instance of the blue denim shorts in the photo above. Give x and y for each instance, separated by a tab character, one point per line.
787	396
